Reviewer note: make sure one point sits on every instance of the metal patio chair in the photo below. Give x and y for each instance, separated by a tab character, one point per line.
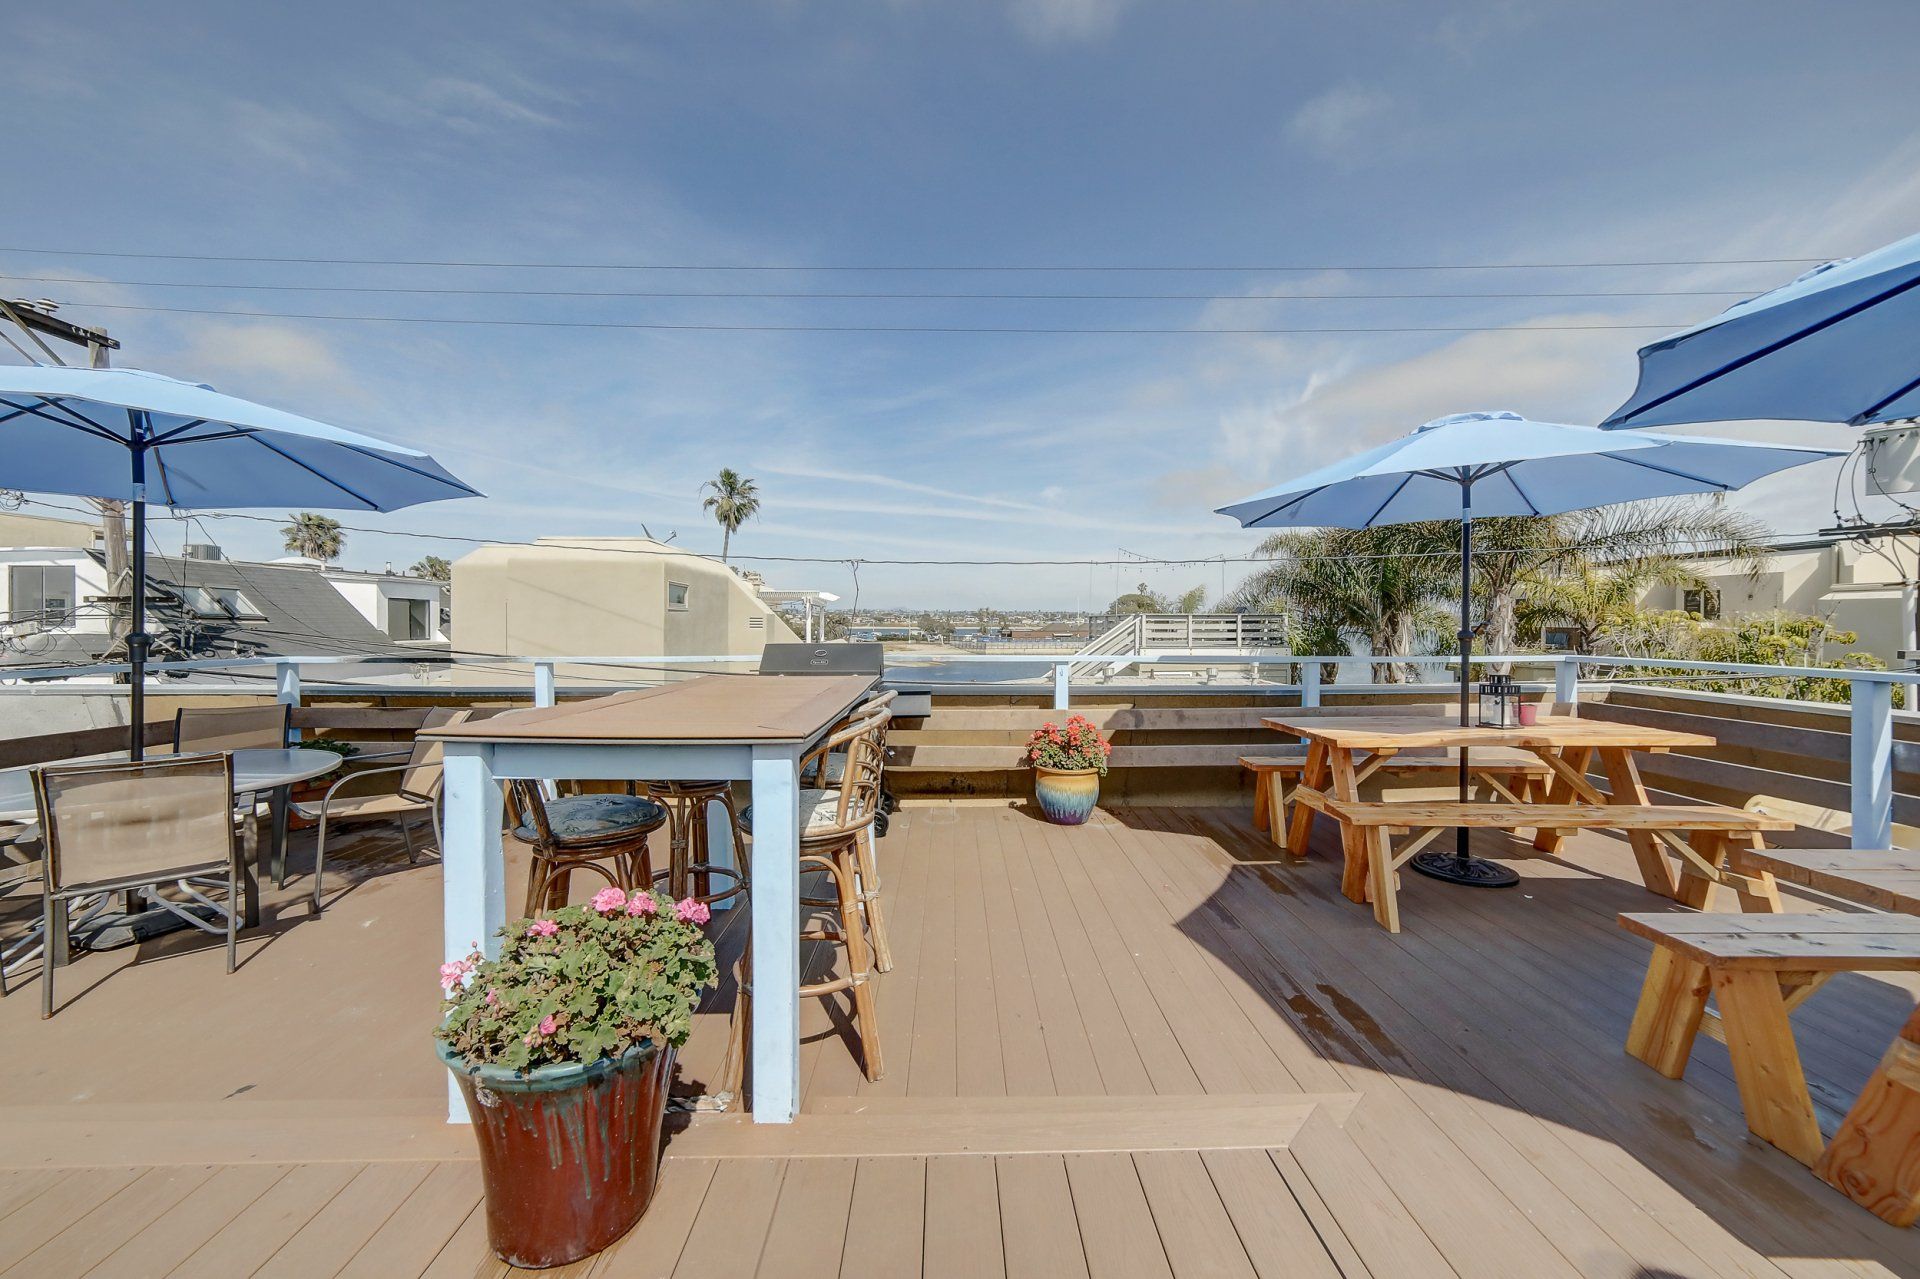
112	828
421	779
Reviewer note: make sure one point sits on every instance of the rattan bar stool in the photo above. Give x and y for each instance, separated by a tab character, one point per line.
606	834
835	827
690	866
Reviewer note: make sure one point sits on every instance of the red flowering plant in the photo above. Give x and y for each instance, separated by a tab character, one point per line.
1078	745
587	982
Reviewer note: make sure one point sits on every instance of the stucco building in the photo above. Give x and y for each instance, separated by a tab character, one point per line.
606	597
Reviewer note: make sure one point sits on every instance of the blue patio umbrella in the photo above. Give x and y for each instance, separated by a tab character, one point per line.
1502	464
144	437
1839	344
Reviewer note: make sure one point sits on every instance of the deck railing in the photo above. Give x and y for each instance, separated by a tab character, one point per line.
1870	693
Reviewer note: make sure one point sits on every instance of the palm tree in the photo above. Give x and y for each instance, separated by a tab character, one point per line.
1635	540
433	567
1383	585
734	499
314	536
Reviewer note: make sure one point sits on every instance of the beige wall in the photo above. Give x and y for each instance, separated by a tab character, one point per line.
603	597
40	530
1856	589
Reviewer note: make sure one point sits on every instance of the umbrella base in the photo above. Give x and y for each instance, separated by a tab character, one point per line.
1473	872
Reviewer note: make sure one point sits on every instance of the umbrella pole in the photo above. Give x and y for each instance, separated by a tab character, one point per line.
1459	867
137	633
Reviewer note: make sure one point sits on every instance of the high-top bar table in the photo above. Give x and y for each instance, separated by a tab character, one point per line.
738	727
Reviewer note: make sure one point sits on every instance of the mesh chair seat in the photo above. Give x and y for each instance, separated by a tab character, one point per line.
346	807
586	818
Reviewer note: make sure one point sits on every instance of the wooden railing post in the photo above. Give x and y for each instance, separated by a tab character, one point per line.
543	683
1872	763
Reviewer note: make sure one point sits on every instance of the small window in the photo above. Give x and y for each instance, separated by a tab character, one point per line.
221	603
409	619
41	594
1706	603
677	596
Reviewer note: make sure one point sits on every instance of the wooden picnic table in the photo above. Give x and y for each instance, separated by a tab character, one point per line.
1874	1157
1344	751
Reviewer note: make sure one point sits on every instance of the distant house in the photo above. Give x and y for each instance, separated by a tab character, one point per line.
606	597
57	609
1865	587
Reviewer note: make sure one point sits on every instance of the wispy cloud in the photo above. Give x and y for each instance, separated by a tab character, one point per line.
474	106
1338	121
869	479
1065	21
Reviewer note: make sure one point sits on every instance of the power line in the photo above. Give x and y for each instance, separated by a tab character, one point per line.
868	295
1677	545
902	267
882	328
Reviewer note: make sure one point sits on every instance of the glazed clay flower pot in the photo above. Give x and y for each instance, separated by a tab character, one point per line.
568	1153
1066	795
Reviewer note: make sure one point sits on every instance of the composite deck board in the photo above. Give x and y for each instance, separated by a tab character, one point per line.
1499	1127
885	1220
729	1234
1039	1232
809	1226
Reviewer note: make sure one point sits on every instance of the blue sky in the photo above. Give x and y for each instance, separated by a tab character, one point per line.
863	133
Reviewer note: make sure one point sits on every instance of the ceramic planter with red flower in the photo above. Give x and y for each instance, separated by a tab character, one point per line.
563	1048
1068	763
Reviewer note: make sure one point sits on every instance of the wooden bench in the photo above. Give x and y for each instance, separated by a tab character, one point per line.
1713	832
1512	773
1758	968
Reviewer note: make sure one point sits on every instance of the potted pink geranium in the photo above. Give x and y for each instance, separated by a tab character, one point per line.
1068	764
564	1048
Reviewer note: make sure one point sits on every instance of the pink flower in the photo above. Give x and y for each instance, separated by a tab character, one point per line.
542	928
455	972
546	1025
608	900
691	911
544	1029
642	904
493	997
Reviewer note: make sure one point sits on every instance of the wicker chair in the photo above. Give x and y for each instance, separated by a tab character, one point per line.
836	829
690	865
606	834
117	827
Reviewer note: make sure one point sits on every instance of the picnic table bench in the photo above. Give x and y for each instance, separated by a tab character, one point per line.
1508	772
1713	831
1758	968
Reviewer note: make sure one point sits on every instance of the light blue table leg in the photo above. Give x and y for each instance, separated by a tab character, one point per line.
776	934
472	867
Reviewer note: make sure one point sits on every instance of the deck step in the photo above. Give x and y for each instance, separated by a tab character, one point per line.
868	1127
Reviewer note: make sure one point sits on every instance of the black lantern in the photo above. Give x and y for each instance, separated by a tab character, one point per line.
1499	702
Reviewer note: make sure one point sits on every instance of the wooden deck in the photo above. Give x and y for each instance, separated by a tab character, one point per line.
1133	1048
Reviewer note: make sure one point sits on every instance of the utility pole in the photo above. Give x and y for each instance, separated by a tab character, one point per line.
34	319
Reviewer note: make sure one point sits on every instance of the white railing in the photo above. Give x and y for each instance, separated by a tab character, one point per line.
1870	692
